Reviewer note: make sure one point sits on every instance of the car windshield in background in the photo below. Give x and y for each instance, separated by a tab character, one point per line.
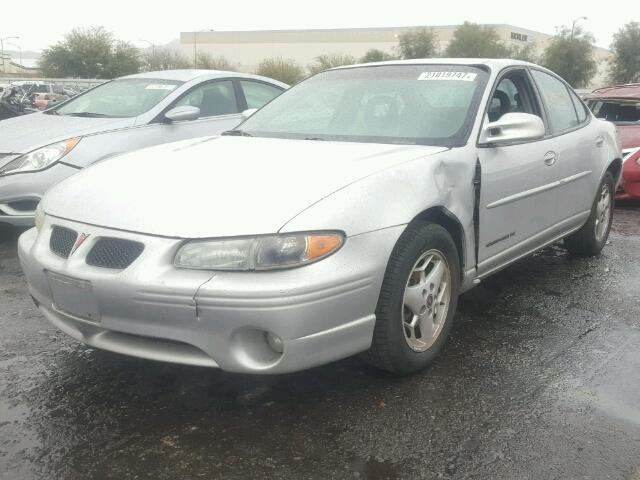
405	104
619	112
120	98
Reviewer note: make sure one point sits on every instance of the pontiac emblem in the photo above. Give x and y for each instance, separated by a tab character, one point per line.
79	241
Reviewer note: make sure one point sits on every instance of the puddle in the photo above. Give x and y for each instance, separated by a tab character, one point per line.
373	469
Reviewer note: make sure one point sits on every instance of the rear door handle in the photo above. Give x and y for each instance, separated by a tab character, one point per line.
599	141
550	158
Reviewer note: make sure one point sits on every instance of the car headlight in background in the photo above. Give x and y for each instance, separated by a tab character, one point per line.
258	253
41	158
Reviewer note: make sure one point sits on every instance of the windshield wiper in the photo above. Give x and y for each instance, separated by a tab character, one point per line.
236	132
87	114
315	138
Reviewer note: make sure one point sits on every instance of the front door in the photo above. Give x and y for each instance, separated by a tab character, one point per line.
219	111
517	195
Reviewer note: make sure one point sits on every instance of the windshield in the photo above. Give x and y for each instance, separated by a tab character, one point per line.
405	104
120	98
617	111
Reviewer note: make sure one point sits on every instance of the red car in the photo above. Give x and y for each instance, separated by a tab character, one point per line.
621	105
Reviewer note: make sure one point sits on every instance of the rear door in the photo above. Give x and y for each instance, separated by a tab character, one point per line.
517	199
219	102
577	145
257	93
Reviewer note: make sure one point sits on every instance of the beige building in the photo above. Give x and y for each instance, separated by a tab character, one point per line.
249	48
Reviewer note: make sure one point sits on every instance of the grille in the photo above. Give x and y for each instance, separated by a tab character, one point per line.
62	241
114	253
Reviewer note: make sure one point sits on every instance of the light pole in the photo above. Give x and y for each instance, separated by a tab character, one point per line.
19	50
2	49
573	25
153	45
195	46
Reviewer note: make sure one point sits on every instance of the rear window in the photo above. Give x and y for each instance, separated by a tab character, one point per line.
620	112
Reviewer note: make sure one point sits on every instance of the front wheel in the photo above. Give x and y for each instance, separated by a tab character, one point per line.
592	237
417	301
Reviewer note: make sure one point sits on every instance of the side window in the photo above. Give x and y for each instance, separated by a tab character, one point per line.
215	98
513	94
580	108
562	113
257	93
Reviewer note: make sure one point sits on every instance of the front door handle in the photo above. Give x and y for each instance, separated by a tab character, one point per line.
599	141
550	158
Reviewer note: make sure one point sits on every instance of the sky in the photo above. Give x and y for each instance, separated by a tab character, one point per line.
160	22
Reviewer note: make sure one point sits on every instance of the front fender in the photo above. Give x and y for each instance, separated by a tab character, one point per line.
398	195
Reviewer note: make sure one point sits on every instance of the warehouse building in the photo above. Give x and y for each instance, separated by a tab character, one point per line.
248	48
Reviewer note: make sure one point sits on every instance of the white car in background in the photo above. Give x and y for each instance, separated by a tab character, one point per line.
40	149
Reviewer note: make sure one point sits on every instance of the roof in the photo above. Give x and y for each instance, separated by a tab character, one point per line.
630	91
497	63
188	75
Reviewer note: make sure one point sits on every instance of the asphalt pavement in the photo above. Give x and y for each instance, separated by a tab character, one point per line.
540	380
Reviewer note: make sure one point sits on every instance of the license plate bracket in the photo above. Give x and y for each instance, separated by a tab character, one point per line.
73	296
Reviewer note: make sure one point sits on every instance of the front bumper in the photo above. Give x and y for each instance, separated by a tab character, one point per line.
630	185
26	188
321	312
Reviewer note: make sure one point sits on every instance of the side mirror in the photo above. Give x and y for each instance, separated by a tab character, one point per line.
180	114
247	113
513	127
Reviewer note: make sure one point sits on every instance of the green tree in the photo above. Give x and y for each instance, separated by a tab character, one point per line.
375	55
124	60
164	58
90	53
209	62
417	43
527	53
286	70
570	55
471	40
330	60
625	65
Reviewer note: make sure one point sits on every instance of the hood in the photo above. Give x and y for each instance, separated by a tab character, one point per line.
220	186
630	135
28	132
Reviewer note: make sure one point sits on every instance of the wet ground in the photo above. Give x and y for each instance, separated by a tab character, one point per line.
540	380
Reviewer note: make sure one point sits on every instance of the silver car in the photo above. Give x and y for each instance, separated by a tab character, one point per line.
39	150
345	216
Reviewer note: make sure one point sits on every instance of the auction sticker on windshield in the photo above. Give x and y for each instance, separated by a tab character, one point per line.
463	76
160	86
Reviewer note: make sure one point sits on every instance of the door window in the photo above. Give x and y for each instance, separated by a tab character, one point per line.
258	93
213	99
513	94
581	110
560	107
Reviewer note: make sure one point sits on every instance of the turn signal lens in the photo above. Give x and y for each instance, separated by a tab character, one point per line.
320	245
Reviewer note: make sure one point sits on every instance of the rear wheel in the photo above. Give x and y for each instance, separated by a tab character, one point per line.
417	301
592	237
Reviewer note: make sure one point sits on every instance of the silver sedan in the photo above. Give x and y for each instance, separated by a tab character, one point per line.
137	111
345	216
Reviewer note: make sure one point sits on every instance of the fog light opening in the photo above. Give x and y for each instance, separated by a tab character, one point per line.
274	342
256	349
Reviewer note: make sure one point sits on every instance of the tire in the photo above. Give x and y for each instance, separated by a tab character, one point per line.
398	347
592	237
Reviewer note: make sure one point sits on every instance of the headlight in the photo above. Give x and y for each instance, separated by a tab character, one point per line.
258	253
39	217
41	158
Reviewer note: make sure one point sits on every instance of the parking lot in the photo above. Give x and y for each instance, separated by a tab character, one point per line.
538	381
